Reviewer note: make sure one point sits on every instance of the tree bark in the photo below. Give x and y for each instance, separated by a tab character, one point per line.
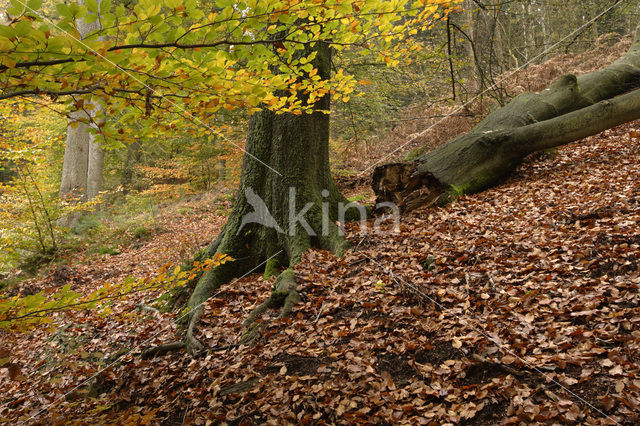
472	21
76	151
7	173
221	171
95	161
286	164
132	158
75	164
96	153
83	155
570	109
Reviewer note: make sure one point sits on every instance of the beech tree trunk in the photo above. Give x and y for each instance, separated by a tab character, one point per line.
83	155
570	109
75	164
7	173
95	159
286	166
132	158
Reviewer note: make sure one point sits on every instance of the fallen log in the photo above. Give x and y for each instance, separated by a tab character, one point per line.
569	110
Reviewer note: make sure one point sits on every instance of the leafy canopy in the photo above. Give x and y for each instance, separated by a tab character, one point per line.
169	63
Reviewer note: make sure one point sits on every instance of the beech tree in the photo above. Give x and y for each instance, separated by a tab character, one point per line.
83	156
167	64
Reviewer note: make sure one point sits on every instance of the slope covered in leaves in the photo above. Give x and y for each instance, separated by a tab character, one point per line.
520	304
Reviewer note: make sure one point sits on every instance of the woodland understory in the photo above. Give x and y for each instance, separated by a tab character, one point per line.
516	304
140	285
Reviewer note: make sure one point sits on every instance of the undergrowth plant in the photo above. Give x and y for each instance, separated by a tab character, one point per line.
23	313
28	204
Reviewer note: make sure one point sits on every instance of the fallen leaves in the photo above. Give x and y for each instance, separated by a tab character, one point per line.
13	369
527	311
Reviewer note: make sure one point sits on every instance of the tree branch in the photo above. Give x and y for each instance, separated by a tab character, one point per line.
58	93
52	93
174	44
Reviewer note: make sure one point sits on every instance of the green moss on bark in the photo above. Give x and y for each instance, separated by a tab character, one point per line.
284	151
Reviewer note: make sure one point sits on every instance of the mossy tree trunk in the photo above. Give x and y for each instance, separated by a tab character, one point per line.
286	164
570	109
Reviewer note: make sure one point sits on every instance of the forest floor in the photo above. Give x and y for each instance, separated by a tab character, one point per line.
519	304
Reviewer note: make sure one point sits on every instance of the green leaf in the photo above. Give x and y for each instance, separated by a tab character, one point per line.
77	11
17	6
105	6
14	11
196	14
89	18
38	36
92	6
7	31
64	10
155	20
34	4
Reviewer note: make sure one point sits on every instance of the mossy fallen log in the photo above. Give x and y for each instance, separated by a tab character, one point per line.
570	109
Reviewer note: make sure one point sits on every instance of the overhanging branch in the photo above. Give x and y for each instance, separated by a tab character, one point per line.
58	93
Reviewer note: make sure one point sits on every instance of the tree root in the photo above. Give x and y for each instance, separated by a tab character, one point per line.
179	296
192	344
252	249
284	296
176	346
162	349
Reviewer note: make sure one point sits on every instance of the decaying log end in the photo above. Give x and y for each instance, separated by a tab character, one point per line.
390	179
399	183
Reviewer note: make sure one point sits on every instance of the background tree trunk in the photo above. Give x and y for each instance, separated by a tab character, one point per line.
83	155
95	153
132	158
75	164
95	163
221	171
566	111
7	172
76	151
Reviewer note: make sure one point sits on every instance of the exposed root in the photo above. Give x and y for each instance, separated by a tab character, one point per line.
258	311
179	296
206	286
240	387
162	349
193	345
190	344
176	346
252	247
284	297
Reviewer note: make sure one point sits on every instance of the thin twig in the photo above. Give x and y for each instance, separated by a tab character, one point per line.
319	313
